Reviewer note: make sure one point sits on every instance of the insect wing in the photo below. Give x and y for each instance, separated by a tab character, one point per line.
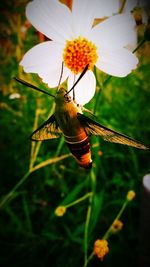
48	130
107	134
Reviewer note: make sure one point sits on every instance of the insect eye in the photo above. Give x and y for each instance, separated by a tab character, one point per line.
67	98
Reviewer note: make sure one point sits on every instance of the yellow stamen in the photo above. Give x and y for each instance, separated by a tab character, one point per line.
78	53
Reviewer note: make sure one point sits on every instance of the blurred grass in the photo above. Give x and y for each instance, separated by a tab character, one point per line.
30	233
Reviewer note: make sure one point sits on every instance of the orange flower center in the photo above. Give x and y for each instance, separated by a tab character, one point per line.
78	53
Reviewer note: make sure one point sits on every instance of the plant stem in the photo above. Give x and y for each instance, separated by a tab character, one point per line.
106	235
78	200
33	144
88	260
35	153
27	214
35	147
59	147
11	193
88	217
50	161
24	178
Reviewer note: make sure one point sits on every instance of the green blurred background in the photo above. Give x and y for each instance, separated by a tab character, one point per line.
30	233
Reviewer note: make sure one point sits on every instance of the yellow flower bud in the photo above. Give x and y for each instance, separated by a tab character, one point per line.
130	195
116	226
101	248
100	153
60	211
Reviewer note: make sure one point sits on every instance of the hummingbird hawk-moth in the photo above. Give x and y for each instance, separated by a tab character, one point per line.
68	120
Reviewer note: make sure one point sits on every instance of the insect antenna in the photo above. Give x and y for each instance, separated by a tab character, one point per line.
32	86
81	75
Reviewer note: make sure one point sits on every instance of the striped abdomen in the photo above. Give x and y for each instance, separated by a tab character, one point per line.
80	148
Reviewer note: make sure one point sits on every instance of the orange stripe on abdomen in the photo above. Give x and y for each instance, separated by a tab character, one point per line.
80	148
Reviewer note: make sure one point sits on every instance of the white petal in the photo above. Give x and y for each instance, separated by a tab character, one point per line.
118	63
106	8
83	14
132	45
42	57
51	18
45	59
146	182
114	32
52	77
130	5
85	89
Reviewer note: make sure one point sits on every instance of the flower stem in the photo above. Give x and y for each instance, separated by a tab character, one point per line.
106	235
24	178
88	259
88	216
78	200
34	145
35	153
11	193
27	214
60	145
49	161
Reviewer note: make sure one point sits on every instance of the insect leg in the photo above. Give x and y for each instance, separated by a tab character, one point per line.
61	74
73	89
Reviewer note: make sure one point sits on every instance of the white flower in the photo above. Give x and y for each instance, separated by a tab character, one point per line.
14	96
77	43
